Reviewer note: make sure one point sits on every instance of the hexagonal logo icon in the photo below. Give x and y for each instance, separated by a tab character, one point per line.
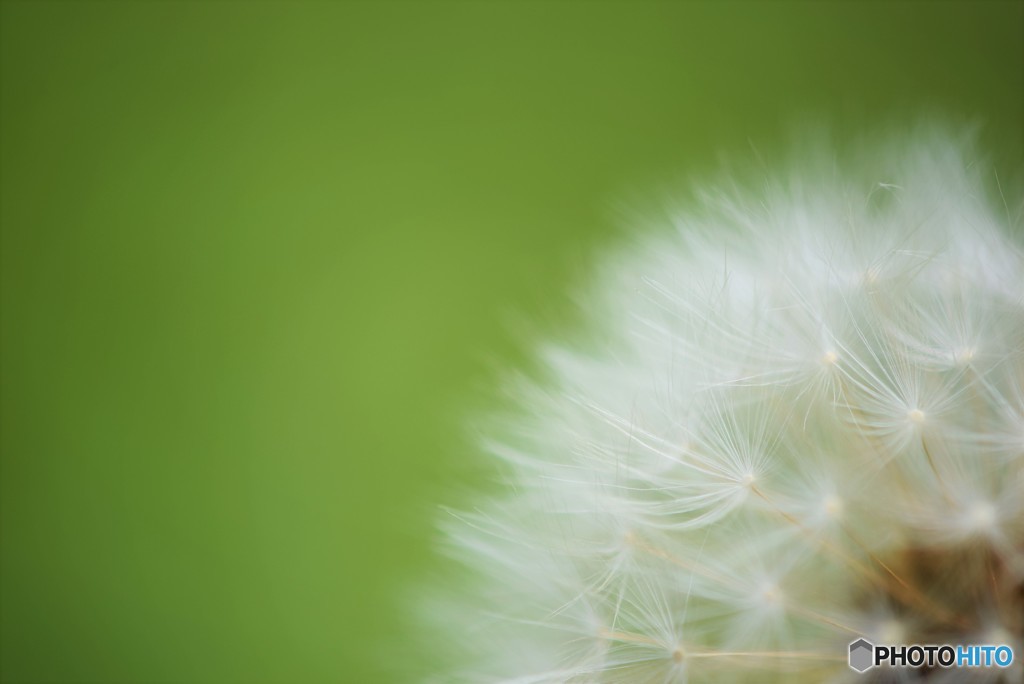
861	655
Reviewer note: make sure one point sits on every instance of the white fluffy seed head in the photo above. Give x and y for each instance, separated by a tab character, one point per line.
805	427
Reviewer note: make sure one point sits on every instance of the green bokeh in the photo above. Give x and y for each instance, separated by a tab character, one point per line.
257	257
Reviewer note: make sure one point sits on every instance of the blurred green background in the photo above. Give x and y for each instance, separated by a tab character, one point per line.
258	258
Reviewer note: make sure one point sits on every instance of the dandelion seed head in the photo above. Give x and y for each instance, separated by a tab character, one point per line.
800	421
